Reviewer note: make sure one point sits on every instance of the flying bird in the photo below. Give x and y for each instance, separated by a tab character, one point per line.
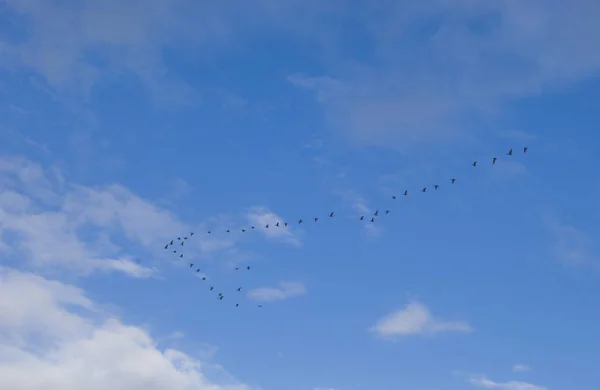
243	230
185	238
209	232
181	255
179	238
299	221
227	230
191	233
285	224
494	160
248	267
167	246
509	152
424	189
171	243
316	219
474	163
372	219
198	270
204	278
387	211
362	217
331	214
453	180
376	213
237	305
211	288
406	193
267	226
435	187
240	289
191	265
277	224
393	196
525	149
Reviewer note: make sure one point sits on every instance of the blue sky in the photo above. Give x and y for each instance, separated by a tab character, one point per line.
126	124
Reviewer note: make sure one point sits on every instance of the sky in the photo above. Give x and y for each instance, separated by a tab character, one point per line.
127	124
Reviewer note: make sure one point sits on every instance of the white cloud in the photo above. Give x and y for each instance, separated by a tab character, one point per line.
416	319
83	348
521	368
260	217
572	246
286	290
483	382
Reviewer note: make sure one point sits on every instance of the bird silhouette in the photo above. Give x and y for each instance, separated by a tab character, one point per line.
424	189
211	288
525	149
372	219
167	246
239	289
299	221
494	160
362	217
387	211
285	224
393	196
171	243
181	255
277	224
237	305
191	234
248	267
453	180
316	219
191	265
406	193
509	152
435	187
267	226
474	163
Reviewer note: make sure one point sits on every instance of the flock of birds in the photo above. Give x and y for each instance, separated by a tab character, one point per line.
177	245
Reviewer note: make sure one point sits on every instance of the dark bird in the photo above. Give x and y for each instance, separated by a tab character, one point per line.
167	246
236	268
376	213
474	163
204	278
181	255
191	233
525	149
221	297
227	230
299	221
209	232
285	224
252	227
424	189
174	251
248	267
198	270
316	219
387	211
179	238
211	288
331	214
435	187
277	224
240	289
453	180
171	243
494	160
372	219
405	193
509	152
181	243
237	305
185	238
362	217
191	265
267	226
259	305
393	196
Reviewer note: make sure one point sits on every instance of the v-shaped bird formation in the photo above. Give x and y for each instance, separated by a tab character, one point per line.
178	244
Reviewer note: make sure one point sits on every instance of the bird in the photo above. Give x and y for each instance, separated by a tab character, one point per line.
393	196
167	246
239	289
227	230
198	270
243	230
252	227
221	297
474	163
171	243
376	213
248	267
267	226
316	219
387	211
331	214
509	152
277	224
362	217
181	255
453	180
191	233
525	149
372	219
236	268
237	305
181	243
435	187
285	224
424	189
204	278
259	305
191	265
179	238
405	192
211	288
209	232
494	160
299	221
185	238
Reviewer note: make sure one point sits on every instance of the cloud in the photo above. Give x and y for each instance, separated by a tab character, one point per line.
286	290
483	382
53	224
571	246
55	331
521	368
415	319
424	85
261	216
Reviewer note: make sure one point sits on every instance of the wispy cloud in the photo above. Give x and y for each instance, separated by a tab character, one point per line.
284	291
416	319
485	383
521	368
260	217
572	246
